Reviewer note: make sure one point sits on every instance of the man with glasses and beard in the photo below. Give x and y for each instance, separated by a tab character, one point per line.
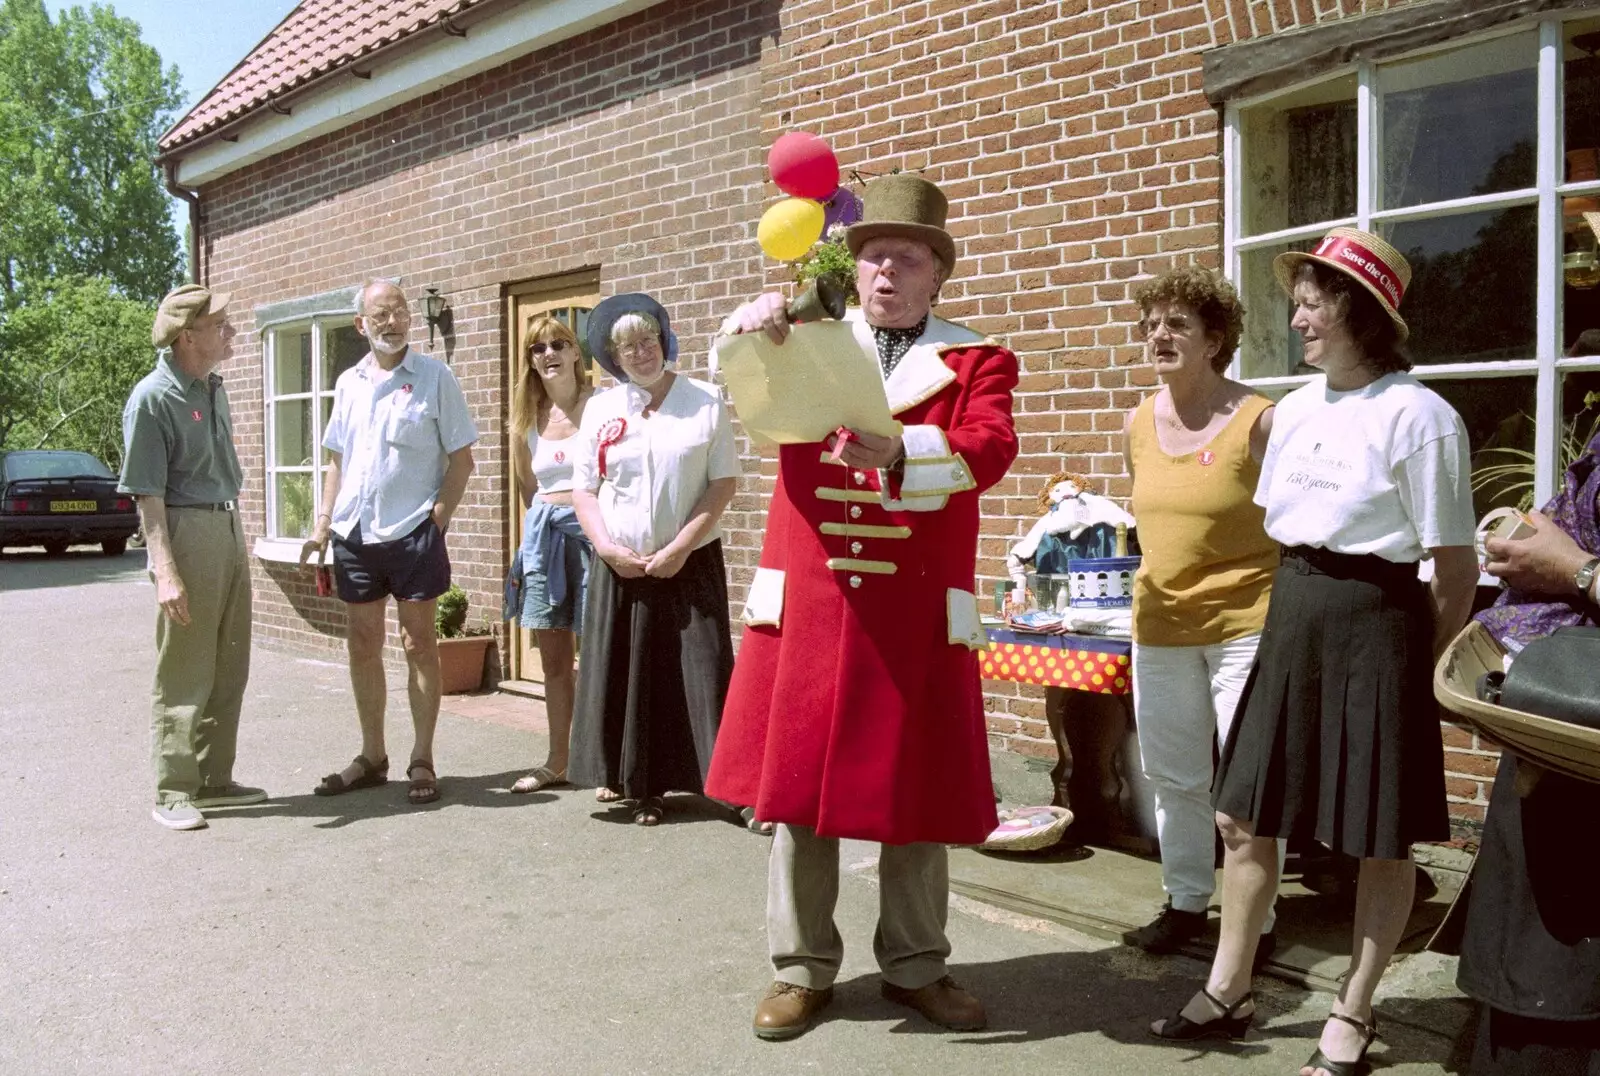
399	447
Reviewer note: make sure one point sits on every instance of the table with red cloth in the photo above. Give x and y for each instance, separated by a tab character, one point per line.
1088	682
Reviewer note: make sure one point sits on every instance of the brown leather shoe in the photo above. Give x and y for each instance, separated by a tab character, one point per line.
786	1011
943	1002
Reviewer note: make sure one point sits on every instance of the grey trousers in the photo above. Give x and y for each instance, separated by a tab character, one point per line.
202	667
803	886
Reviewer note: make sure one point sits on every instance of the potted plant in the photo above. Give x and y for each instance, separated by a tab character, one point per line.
461	649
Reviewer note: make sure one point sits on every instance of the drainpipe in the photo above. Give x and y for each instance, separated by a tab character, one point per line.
170	167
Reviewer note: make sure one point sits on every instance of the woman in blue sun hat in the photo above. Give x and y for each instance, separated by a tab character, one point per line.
656	466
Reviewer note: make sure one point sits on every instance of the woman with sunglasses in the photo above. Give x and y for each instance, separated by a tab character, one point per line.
545	414
1194	450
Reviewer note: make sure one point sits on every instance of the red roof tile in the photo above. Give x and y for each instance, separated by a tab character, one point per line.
317	37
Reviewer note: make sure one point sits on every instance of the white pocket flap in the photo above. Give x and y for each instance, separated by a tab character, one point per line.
965	627
764	603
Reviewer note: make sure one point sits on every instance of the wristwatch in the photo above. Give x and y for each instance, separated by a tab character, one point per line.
1585	577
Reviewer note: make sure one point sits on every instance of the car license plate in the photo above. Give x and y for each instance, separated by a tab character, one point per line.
73	506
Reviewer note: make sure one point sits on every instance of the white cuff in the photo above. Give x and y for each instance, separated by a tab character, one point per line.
932	472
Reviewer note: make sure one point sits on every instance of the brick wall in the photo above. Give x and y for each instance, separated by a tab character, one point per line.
635	148
1079	152
1073	139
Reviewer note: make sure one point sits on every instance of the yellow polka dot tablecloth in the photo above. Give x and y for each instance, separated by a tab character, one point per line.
1080	662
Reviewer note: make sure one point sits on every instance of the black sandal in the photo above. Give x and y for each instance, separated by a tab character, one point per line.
1226	1026
1360	1065
373	774
422	790
650	811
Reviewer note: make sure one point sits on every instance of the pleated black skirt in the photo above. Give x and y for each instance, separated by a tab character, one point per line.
1337	733
653	673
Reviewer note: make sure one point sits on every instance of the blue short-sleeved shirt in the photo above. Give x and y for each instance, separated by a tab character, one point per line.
393	432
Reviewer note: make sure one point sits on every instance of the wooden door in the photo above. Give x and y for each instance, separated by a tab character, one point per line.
569	298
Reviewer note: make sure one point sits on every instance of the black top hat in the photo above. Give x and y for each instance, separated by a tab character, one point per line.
609	312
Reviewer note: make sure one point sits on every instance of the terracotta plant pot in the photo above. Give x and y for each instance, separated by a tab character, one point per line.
461	662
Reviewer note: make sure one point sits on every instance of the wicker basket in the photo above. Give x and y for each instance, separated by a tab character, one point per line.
1556	745
1028	829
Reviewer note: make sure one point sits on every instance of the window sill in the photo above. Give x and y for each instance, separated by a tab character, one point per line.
278	550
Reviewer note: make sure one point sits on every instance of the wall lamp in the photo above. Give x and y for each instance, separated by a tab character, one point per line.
436	308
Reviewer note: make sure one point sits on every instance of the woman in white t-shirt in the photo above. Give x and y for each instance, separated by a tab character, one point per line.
554	557
1336	736
656	468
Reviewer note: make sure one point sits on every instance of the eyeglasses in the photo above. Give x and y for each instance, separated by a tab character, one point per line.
1177	324
387	317
556	346
638	347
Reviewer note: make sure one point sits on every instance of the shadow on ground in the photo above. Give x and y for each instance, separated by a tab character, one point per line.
1116	993
34	569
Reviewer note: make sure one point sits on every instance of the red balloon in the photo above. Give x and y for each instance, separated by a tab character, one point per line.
802	165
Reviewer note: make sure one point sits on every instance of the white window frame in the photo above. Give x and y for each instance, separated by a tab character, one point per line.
272	546
1548	363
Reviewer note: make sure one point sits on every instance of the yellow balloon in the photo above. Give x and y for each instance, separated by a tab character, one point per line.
789	228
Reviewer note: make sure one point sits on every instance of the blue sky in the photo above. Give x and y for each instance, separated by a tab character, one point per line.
205	38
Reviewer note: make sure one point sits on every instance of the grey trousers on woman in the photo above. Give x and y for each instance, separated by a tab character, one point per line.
803	887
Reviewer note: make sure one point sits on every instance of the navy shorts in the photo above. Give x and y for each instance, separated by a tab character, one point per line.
413	569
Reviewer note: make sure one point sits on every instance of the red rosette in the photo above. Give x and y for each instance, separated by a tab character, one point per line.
610	434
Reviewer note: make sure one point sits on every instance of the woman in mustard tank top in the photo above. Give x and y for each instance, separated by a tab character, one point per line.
1200	597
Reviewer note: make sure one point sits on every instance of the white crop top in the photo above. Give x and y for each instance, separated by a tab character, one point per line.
552	462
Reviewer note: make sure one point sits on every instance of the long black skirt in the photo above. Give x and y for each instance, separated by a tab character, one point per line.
652	677
1337	733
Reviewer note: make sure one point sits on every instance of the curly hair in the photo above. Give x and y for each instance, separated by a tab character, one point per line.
530	394
1081	481
1374	330
1210	295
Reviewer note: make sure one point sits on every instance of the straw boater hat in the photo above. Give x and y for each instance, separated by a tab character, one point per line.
1364	258
906	206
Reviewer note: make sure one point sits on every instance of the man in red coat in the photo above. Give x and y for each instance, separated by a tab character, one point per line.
855	708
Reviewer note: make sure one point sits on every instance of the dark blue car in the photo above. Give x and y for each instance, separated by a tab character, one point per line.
56	499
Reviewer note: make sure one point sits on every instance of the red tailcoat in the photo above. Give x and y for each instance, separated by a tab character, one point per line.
855	705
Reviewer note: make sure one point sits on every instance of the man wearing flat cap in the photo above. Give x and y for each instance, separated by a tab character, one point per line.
855	709
180	466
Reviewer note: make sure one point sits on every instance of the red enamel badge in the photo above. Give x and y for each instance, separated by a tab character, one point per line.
406	387
197	415
610	434
1207	458
561	457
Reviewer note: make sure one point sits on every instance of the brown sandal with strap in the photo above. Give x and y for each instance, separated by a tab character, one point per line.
373	774
423	789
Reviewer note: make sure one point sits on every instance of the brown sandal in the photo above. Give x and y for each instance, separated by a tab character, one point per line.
423	789
373	774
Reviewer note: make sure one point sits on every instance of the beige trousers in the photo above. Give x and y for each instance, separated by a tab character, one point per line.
803	886
202	668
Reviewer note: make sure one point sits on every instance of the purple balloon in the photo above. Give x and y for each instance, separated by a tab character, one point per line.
842	207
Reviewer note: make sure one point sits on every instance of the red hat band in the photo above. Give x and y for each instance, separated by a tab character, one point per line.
1365	264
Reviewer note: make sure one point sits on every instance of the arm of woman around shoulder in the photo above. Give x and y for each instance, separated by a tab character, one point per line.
1261	433
1545	562
522	459
722	476
1127	441
1454	582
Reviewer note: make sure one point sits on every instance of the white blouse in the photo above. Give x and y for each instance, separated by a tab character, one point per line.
656	467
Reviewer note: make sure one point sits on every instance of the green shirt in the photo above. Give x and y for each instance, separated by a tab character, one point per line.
177	437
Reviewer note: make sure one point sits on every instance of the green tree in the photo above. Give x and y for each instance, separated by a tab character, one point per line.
85	231
86	345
